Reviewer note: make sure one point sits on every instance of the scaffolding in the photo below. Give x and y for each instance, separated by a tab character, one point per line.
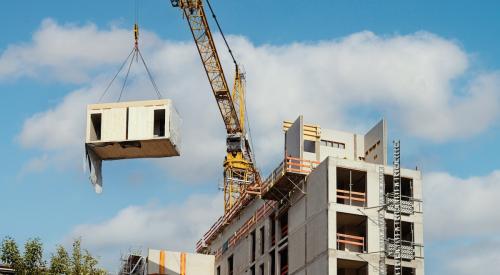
381	220
277	188
133	264
397	207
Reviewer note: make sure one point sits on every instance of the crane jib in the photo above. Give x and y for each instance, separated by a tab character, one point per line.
213	68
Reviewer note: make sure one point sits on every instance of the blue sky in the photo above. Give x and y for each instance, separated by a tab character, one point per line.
450	46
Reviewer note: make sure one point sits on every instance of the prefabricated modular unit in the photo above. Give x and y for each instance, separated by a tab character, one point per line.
175	263
136	129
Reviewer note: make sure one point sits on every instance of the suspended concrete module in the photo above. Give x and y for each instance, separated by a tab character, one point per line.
127	130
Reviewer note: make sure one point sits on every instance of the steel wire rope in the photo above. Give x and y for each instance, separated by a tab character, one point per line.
222	33
153	82
126	76
117	73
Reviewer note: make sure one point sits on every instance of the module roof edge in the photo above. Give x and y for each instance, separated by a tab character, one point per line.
123	104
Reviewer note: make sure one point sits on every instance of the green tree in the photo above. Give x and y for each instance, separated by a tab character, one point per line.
33	257
10	255
76	260
60	262
82	262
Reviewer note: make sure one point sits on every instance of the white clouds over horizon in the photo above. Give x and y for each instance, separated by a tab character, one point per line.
410	79
470	206
173	226
425	85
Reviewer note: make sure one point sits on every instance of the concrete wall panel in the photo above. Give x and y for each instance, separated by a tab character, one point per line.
297	214
376	144
317	190
294	139
319	266
297	249
316	239
113	124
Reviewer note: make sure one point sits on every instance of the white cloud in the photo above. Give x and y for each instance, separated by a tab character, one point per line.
68	53
174	227
459	208
410	79
478	258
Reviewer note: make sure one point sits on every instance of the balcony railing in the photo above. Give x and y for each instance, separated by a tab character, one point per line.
407	206
356	198
350	242
407	249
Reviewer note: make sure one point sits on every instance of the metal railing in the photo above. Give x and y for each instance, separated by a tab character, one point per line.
407	204
407	249
289	165
351	196
343	240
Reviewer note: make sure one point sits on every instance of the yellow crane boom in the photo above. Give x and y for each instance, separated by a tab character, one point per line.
197	20
240	172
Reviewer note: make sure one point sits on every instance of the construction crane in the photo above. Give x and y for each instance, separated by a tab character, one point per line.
240	173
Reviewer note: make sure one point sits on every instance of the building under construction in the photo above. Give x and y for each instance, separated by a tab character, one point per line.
333	206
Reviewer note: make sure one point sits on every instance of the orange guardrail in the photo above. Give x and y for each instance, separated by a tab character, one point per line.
351	195
288	165
350	239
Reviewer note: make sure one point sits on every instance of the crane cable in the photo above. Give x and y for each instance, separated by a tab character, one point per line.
222	34
134	54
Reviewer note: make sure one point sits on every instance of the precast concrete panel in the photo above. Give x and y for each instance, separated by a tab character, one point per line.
297	249
297	214
140	122
317	235
294	139
317	187
376	144
175	263
113	124
319	266
199	264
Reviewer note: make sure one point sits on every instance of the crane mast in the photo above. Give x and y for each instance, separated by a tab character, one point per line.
240	172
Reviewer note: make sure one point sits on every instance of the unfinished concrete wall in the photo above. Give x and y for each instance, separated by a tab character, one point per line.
317	218
175	263
376	144
294	139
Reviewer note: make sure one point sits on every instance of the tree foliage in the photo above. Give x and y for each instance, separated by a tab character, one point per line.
10	254
81	262
59	262
33	257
